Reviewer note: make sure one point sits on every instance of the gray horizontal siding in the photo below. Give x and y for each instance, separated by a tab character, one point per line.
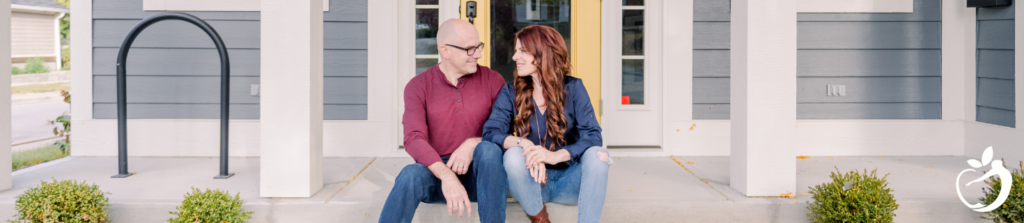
995	66
889	62
174	69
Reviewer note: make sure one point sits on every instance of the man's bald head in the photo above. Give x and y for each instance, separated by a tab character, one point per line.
458	62
455	32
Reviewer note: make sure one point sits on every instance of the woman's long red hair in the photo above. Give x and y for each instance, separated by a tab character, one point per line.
552	61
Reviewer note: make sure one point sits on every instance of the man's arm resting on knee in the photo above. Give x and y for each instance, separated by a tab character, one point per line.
454	193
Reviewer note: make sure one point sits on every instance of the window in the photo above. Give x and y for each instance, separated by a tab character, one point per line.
633	52
427	16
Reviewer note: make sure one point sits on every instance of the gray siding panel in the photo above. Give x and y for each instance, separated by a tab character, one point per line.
995	13
996	93
997	116
177	34
711	63
345	63
995	34
176	111
173	89
345	35
869	35
996	64
891	63
869	111
871	90
711	59
995	70
174	69
710	111
711	35
711	10
860	63
711	90
151	61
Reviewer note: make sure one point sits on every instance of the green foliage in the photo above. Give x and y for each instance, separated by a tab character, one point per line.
852	197
22	159
32	66
210	206
64	130
64	201
1013	209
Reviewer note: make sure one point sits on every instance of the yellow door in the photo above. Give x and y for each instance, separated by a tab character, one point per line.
579	21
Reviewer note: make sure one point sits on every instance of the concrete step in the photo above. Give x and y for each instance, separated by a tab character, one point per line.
644	189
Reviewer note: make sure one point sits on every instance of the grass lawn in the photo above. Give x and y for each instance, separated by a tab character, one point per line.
40	88
39	155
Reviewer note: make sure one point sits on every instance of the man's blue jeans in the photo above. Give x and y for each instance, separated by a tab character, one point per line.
485	183
583	184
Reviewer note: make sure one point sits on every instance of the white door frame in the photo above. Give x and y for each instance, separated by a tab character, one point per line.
611	70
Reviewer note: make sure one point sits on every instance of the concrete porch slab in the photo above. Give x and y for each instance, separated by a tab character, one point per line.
640	189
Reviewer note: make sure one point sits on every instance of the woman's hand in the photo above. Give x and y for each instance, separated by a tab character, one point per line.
539	174
537	155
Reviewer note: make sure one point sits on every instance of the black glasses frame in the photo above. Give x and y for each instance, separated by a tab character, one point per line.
470	50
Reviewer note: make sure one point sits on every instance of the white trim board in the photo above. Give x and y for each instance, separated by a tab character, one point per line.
855	6
1005	142
209	5
958	51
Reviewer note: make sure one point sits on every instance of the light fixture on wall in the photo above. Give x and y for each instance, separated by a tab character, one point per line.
988	3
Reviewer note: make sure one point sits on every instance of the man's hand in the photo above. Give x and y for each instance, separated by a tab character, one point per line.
454	193
456	196
463	156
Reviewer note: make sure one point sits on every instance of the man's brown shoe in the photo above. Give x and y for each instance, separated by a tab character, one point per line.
541	217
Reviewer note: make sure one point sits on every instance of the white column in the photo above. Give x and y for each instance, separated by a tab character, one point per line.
1018	64
763	97
5	95
954	59
291	98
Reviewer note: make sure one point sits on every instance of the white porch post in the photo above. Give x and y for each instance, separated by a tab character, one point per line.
763	95
291	98
5	95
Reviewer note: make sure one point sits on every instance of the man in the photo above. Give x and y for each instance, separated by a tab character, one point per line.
445	109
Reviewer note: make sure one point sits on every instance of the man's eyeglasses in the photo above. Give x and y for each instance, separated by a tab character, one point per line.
469	51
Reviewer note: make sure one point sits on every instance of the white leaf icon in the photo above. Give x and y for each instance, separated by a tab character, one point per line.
986	156
974	163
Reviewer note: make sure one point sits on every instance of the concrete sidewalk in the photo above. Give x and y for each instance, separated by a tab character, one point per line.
640	189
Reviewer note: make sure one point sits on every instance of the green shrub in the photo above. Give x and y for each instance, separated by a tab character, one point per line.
1013	209
852	197
210	206
32	66
64	201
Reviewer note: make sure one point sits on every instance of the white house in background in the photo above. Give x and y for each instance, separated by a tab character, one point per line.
35	31
746	78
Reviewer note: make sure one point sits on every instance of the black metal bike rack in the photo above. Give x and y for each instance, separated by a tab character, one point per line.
122	102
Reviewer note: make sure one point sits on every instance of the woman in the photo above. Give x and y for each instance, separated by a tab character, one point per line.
546	122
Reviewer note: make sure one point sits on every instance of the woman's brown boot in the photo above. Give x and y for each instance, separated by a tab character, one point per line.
541	217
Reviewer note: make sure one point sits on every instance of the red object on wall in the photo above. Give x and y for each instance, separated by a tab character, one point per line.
625	100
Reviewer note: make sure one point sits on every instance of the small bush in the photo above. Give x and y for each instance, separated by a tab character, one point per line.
210	206
852	197
64	201
1013	209
32	66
